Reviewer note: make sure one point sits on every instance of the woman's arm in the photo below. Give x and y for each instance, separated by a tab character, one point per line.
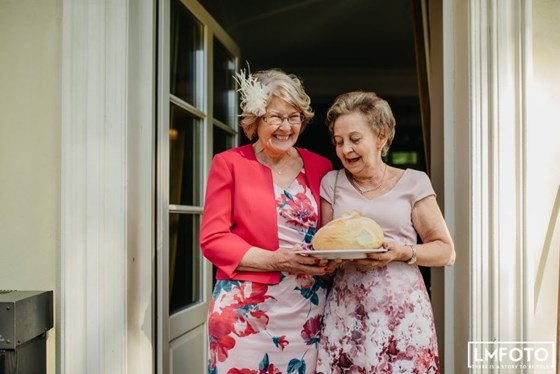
437	248
218	243
282	259
326	212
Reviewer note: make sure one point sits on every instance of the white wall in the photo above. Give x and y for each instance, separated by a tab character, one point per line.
30	45
543	168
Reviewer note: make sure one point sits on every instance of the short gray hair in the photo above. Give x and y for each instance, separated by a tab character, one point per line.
375	110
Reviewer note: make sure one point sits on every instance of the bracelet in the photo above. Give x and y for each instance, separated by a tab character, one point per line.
412	260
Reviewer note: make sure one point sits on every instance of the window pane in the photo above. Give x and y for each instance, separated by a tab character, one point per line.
186	54
222	140
184	157
185	282
409	158
224	85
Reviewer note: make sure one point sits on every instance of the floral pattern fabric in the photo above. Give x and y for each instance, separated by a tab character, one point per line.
379	320
257	328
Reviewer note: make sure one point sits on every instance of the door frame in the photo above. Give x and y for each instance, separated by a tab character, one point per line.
188	324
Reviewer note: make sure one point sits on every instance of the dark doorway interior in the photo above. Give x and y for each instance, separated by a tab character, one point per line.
334	47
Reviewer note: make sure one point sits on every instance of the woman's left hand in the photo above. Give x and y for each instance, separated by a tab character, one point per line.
394	253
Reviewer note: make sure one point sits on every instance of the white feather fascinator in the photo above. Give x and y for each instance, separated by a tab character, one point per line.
254	95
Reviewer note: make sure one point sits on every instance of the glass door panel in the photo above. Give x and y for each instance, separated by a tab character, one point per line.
186	54
224	86
222	140
184	157
185	287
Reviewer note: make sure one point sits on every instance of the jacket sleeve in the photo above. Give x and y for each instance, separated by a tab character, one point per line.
218	243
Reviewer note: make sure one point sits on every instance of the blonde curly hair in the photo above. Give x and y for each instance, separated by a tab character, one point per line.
268	83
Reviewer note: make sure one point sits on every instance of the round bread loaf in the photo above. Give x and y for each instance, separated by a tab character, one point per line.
351	231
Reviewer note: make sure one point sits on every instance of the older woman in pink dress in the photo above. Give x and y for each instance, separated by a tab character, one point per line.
262	208
378	317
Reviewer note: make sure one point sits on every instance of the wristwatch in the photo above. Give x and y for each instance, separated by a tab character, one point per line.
412	260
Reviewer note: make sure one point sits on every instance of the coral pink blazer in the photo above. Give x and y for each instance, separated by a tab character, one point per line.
240	209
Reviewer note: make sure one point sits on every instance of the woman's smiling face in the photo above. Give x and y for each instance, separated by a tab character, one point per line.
280	138
356	144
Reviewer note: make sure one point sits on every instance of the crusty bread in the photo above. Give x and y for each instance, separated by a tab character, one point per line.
351	231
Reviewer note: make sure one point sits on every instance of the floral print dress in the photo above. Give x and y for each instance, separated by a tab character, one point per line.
257	328
379	320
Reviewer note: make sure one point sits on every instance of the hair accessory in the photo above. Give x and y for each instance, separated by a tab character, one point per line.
254	95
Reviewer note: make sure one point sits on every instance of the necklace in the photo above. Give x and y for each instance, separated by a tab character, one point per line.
362	190
280	171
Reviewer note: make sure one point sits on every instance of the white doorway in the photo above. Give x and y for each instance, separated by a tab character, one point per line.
197	109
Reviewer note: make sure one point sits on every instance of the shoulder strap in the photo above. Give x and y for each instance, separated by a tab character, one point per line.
334	187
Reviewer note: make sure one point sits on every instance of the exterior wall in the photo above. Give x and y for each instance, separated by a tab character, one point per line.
30	70
543	145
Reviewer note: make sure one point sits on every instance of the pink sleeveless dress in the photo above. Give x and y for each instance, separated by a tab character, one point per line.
379	320
274	329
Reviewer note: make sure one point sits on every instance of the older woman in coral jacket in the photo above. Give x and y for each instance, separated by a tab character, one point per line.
261	211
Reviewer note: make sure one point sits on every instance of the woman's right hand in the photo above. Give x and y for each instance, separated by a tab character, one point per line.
286	260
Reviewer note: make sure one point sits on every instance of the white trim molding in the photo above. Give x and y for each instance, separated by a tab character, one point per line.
140	266
93	292
497	52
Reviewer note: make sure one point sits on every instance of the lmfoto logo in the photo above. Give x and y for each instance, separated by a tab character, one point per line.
511	355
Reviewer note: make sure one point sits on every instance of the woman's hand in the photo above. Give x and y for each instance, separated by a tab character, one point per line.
333	264
286	260
395	252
